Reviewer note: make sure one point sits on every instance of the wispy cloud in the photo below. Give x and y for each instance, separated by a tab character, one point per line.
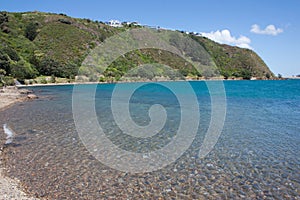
225	37
269	30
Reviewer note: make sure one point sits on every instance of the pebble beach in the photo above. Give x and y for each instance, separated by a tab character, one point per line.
10	188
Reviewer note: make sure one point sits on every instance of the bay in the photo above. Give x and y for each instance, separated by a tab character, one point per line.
256	156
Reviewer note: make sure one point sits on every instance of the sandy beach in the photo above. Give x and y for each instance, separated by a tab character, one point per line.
10	188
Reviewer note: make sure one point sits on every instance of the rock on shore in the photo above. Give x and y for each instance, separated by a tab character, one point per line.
11	94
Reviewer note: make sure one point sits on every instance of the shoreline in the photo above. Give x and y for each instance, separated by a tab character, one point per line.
11	188
142	81
9	96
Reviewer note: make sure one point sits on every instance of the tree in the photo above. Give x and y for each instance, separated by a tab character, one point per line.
113	72
48	67
69	70
246	74
208	73
13	55
2	74
23	70
7	56
226	74
184	71
5	63
279	76
146	73
31	31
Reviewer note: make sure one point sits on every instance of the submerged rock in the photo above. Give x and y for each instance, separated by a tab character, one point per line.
25	91
32	96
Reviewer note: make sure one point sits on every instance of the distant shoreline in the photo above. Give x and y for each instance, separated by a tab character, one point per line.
143	81
293	77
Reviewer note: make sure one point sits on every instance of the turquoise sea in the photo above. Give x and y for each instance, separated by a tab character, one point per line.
257	155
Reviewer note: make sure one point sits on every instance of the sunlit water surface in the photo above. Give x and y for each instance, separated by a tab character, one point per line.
257	154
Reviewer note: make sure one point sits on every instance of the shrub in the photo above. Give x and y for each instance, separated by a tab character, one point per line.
52	80
18	16
23	70
5	63
93	78
226	74
7	80
3	17
184	71
102	79
51	67
69	70
48	67
246	74
2	72
13	55
208	73
31	31
43	80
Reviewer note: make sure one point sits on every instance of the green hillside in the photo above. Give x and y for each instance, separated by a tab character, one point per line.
235	61
44	44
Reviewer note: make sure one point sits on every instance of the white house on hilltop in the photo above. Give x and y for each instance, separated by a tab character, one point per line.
114	23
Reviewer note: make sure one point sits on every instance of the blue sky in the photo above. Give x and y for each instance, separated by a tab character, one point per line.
235	22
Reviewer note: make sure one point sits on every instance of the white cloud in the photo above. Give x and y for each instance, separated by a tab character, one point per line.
224	37
269	30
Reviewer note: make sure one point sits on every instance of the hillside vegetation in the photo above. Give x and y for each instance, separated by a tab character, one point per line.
35	44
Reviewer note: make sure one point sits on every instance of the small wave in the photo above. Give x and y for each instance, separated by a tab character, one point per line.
9	134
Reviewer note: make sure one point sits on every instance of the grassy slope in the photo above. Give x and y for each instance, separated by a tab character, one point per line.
233	59
68	40
54	38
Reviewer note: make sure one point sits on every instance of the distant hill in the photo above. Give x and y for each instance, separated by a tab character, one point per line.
45	44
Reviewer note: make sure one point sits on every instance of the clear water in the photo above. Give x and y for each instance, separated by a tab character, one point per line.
256	157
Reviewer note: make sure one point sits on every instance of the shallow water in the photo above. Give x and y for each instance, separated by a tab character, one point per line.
257	154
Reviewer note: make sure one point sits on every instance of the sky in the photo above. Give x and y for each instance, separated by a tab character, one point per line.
270	28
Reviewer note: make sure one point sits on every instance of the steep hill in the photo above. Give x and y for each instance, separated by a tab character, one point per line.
235	61
35	44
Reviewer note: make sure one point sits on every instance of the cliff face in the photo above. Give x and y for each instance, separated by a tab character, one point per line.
35	43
